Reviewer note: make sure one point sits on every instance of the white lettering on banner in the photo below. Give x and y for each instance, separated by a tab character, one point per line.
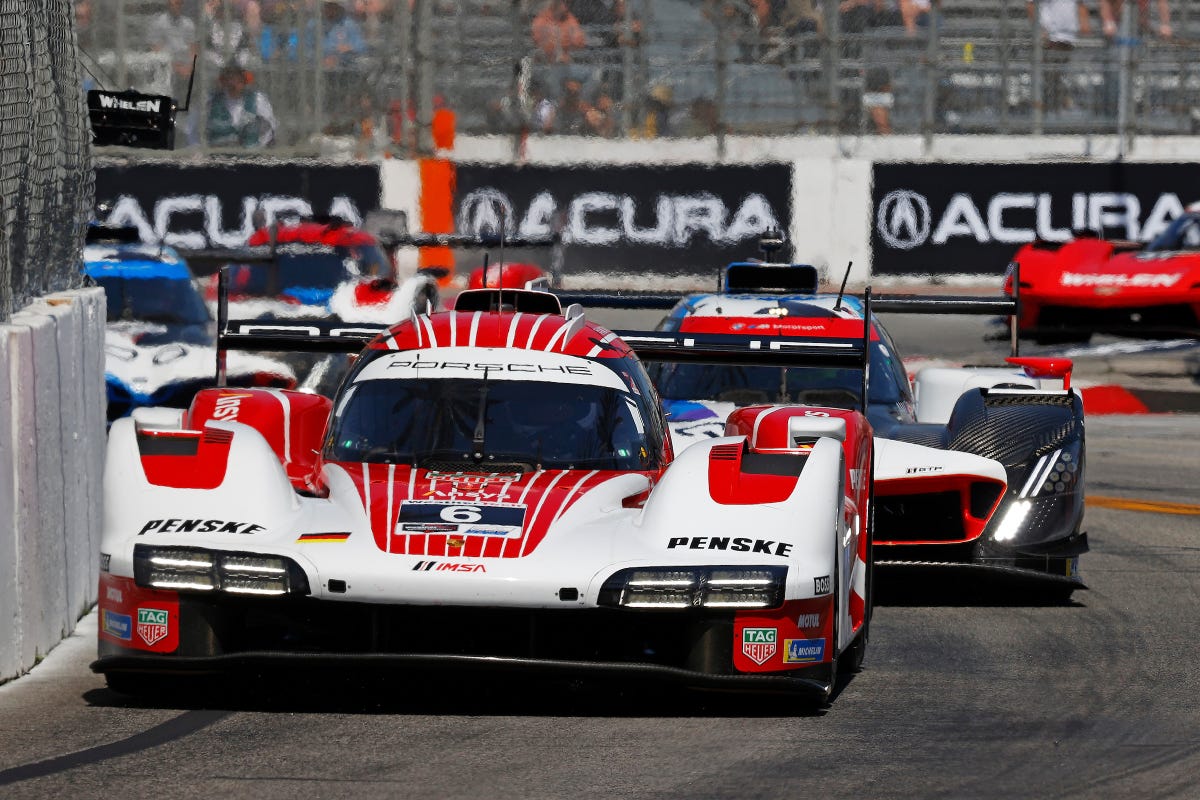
960	219
1001	203
108	101
903	219
585	232
127	211
1044	229
1100	217
606	218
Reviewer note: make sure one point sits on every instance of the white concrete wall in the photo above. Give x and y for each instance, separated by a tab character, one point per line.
52	416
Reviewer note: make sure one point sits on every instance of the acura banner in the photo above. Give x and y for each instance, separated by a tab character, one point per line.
667	220
972	218
219	204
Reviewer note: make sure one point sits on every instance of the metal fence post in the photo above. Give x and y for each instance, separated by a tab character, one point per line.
318	56
627	67
402	33
1125	94
423	47
832	59
932	74
1006	44
722	73
1037	77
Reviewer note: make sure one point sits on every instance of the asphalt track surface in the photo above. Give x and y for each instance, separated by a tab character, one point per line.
969	690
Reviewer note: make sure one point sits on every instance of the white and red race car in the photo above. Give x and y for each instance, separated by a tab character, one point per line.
493	487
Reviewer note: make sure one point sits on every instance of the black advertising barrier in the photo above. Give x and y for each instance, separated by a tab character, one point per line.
219	204
972	218
670	220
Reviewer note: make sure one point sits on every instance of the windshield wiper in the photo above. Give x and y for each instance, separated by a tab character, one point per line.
477	439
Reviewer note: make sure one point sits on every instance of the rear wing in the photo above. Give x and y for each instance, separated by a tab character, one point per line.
768	351
1003	305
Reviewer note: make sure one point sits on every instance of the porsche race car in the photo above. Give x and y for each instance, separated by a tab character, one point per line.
492	487
1088	285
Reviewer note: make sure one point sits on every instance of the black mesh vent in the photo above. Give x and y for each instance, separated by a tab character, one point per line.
933	517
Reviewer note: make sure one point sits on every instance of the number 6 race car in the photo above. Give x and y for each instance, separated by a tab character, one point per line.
493	487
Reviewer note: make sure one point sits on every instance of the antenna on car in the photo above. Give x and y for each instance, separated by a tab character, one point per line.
187	100
838	305
772	242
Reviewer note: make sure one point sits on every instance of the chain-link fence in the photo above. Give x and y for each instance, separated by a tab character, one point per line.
45	163
366	76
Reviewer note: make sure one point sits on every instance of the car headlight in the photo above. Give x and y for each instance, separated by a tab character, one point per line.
695	587
190	569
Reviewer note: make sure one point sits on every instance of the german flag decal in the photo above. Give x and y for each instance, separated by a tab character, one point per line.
324	537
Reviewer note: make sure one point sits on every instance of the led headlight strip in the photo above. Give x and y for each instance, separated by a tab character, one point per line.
191	569
695	587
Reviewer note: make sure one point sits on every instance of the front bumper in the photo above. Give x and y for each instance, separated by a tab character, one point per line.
693	649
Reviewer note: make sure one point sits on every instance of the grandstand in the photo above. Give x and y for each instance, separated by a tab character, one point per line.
977	66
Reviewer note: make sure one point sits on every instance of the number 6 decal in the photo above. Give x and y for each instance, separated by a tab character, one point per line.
461	514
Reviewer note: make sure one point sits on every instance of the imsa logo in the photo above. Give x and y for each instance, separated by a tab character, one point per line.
152	625
758	644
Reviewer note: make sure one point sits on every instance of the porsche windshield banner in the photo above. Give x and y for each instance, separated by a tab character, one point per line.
220	204
668	220
972	218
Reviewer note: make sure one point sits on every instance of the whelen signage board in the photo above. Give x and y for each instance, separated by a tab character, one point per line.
219	204
681	219
972	218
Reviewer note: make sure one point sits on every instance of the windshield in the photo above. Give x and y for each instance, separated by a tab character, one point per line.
310	267
437	424
752	385
169	301
1182	234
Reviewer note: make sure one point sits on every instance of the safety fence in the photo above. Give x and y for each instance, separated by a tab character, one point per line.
45	164
365	77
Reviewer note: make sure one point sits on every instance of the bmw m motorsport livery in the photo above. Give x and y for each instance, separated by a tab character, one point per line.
493	486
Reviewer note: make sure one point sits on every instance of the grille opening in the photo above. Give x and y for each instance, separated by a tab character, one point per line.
931	517
983	498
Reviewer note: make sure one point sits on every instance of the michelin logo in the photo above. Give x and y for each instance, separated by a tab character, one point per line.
804	651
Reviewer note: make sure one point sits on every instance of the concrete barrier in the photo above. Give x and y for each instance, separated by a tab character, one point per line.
51	456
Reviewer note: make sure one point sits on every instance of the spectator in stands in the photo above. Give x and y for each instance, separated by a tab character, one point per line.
174	33
600	114
93	37
857	16
1110	17
557	33
239	116
1061	22
572	109
225	35
703	119
915	14
656	115
878	100
343	42
282	22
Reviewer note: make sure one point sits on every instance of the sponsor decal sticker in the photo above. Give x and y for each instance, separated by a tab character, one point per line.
105	560
822	585
113	594
736	544
808	621
228	406
118	625
477	519
447	566
803	651
324	537
758	644
152	625
198	526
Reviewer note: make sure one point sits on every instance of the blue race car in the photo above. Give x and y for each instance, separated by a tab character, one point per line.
159	343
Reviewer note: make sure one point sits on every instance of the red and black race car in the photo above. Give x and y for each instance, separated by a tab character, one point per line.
1069	291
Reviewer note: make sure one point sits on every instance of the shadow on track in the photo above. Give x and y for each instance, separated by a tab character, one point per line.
369	691
914	586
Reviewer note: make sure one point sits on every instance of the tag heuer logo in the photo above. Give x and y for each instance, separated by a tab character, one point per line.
152	625
758	644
